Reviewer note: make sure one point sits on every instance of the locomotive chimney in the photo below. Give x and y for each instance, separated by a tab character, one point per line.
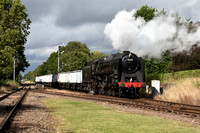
126	52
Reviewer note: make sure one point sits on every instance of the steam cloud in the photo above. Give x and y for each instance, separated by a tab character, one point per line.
149	38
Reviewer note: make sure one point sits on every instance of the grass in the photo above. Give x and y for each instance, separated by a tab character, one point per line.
88	117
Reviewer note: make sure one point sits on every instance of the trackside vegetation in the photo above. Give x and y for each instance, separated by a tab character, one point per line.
166	77
89	117
8	83
181	87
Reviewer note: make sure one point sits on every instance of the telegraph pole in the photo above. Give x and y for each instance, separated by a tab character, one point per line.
58	58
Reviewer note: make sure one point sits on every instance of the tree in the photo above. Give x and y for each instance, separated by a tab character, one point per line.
73	61
75	46
6	62
14	29
155	65
186	61
74	56
148	13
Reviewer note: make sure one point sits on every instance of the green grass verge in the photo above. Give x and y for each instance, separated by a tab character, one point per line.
173	76
87	117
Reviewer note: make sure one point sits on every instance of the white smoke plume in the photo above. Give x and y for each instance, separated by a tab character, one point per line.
149	38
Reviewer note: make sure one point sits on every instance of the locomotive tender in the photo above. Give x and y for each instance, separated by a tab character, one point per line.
121	74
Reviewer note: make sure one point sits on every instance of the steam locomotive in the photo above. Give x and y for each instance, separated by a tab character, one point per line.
121	74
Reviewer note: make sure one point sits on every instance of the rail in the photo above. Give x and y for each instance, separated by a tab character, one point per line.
7	120
6	95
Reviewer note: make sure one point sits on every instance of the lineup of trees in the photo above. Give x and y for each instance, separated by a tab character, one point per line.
73	56
14	29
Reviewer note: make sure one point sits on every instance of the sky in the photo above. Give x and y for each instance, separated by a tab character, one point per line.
57	22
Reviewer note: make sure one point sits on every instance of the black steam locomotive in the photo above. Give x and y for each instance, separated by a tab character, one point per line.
121	74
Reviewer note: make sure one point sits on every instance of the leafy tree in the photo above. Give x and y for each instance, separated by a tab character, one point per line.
73	61
14	26
6	62
148	13
155	65
186	61
49	66
195	57
30	76
52	62
74	56
75	47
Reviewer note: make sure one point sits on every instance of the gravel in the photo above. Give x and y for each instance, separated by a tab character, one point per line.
32	117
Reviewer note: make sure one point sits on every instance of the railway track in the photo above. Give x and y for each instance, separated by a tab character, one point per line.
164	106
11	111
6	95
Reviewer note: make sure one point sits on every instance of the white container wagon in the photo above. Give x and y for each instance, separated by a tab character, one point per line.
70	79
47	80
38	79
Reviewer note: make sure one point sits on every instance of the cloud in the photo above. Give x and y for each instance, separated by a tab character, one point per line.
39	9
46	33
89	11
190	9
41	52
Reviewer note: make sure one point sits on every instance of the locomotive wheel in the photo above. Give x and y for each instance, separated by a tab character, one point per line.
113	93
100	92
103	92
96	91
120	92
109	92
137	92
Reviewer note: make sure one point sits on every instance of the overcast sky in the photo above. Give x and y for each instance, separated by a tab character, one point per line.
55	22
